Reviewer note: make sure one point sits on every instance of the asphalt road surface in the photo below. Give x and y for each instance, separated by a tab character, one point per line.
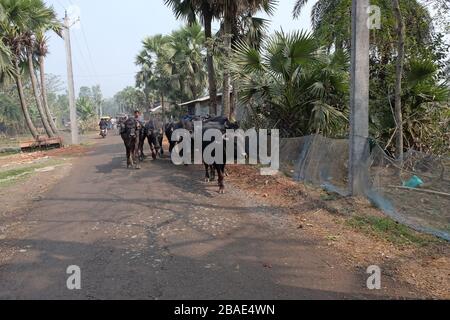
162	233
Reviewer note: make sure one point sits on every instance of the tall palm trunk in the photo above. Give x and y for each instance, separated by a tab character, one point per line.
44	95
23	103
210	64
399	75
226	76
34	85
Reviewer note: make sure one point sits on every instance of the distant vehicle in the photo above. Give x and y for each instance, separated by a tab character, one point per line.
103	133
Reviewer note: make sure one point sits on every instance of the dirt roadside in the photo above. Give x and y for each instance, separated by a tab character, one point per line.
25	178
421	261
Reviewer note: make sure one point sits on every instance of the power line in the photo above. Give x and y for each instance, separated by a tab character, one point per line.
88	49
87	64
108	75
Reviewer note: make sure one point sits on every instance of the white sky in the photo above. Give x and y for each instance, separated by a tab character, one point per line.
109	36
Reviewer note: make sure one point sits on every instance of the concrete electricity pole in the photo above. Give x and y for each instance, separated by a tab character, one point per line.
70	82
359	100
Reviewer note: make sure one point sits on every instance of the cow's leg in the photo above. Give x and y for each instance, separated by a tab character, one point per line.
207	173
149	140
137	156
153	146
212	173
131	156
134	153
221	174
129	161
141	147
161	141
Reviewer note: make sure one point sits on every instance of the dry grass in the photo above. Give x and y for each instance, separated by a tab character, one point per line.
359	232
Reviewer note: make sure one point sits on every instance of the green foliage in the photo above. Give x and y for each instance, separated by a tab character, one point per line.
130	99
298	88
86	114
425	92
174	66
85	109
10	115
390	230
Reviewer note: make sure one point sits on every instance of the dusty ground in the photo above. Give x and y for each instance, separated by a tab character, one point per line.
425	265
161	233
20	194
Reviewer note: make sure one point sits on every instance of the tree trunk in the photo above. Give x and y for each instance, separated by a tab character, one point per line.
210	64
23	104
44	119
398	82
226	75
44	95
163	110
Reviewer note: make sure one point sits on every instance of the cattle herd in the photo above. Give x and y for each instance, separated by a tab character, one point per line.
136	133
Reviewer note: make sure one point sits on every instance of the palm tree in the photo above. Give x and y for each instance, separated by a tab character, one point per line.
14	21
230	11
251	30
42	51
207	11
425	102
22	20
41	19
156	61
331	24
298	87
7	70
188	44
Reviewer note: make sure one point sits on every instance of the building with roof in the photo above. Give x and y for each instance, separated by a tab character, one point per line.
202	106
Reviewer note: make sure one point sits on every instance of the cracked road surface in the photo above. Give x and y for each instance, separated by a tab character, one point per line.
162	233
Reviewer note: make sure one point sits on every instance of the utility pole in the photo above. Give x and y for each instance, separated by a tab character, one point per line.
359	100
70	82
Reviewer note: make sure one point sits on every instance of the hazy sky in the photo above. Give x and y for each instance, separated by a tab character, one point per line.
109	36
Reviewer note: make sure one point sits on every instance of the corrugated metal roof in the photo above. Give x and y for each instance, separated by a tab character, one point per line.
203	99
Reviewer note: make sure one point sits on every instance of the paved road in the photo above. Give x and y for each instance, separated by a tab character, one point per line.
161	233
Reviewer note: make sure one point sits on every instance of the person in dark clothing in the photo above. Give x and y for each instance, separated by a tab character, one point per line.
103	124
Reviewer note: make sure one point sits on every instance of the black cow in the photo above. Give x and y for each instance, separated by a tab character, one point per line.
153	132
169	130
222	124
131	131
187	123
